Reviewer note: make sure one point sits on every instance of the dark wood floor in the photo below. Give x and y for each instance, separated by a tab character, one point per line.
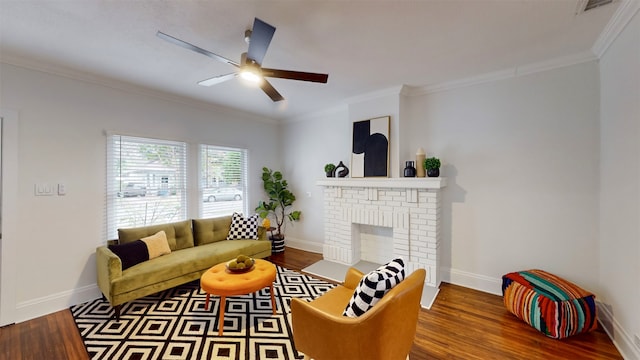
462	324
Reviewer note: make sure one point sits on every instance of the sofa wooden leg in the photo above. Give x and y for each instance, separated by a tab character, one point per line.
117	310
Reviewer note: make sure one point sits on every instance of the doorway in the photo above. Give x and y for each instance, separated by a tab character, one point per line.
8	214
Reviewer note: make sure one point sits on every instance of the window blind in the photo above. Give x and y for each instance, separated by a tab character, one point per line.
223	181
146	182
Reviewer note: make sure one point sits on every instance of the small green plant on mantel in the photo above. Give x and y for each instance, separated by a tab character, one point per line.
432	163
329	169
280	200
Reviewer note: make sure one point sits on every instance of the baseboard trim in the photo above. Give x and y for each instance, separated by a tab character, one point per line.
30	309
620	338
299	244
473	281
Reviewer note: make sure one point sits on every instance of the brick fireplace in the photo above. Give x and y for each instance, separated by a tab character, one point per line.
377	219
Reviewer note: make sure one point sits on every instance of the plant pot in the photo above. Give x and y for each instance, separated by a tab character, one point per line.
277	243
329	174
433	172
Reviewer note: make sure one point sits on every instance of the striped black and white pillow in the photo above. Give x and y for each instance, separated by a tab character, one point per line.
373	286
243	228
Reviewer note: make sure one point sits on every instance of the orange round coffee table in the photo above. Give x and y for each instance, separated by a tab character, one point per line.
220	281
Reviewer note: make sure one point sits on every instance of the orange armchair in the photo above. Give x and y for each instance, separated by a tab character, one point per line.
385	332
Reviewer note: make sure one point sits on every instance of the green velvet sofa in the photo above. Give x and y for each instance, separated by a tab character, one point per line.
196	245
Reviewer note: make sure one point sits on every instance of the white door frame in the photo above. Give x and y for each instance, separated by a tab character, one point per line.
9	212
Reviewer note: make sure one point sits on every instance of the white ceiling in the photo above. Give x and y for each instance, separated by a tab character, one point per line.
364	46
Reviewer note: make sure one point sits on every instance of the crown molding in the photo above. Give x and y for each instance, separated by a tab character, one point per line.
504	74
407	90
74	74
556	63
623	15
460	83
395	90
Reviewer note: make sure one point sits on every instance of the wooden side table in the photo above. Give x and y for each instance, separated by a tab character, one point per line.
220	281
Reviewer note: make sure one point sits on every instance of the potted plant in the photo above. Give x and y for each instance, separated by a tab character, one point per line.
432	165
330	169
280	200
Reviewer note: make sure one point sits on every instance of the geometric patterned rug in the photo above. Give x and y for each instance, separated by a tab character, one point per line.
173	324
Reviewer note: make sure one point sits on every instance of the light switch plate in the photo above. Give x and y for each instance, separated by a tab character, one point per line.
44	189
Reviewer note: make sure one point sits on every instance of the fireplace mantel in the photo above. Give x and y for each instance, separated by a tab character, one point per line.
396	183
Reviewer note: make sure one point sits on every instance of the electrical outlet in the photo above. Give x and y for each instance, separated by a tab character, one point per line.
636	339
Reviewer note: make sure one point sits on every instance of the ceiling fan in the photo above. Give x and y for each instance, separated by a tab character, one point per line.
250	66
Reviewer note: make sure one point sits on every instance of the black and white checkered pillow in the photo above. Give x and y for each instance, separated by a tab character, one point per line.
373	286
243	228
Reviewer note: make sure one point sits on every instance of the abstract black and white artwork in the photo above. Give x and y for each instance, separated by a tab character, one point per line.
370	150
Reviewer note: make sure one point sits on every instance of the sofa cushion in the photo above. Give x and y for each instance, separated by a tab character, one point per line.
179	234
157	244
131	253
373	286
243	228
135	252
206	231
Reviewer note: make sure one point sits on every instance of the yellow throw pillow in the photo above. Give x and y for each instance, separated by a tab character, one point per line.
157	244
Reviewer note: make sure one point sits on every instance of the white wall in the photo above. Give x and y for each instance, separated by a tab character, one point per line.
619	250
62	124
309	144
521	158
385	103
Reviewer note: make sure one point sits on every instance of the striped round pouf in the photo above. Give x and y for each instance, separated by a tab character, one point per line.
550	304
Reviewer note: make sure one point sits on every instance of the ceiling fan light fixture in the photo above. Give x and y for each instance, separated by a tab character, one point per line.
251	76
251	73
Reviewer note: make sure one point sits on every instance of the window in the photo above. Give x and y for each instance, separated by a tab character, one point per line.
146	182
223	181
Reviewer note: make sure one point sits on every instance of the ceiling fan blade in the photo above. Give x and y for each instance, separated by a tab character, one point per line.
191	47
271	91
295	75
217	79
261	36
